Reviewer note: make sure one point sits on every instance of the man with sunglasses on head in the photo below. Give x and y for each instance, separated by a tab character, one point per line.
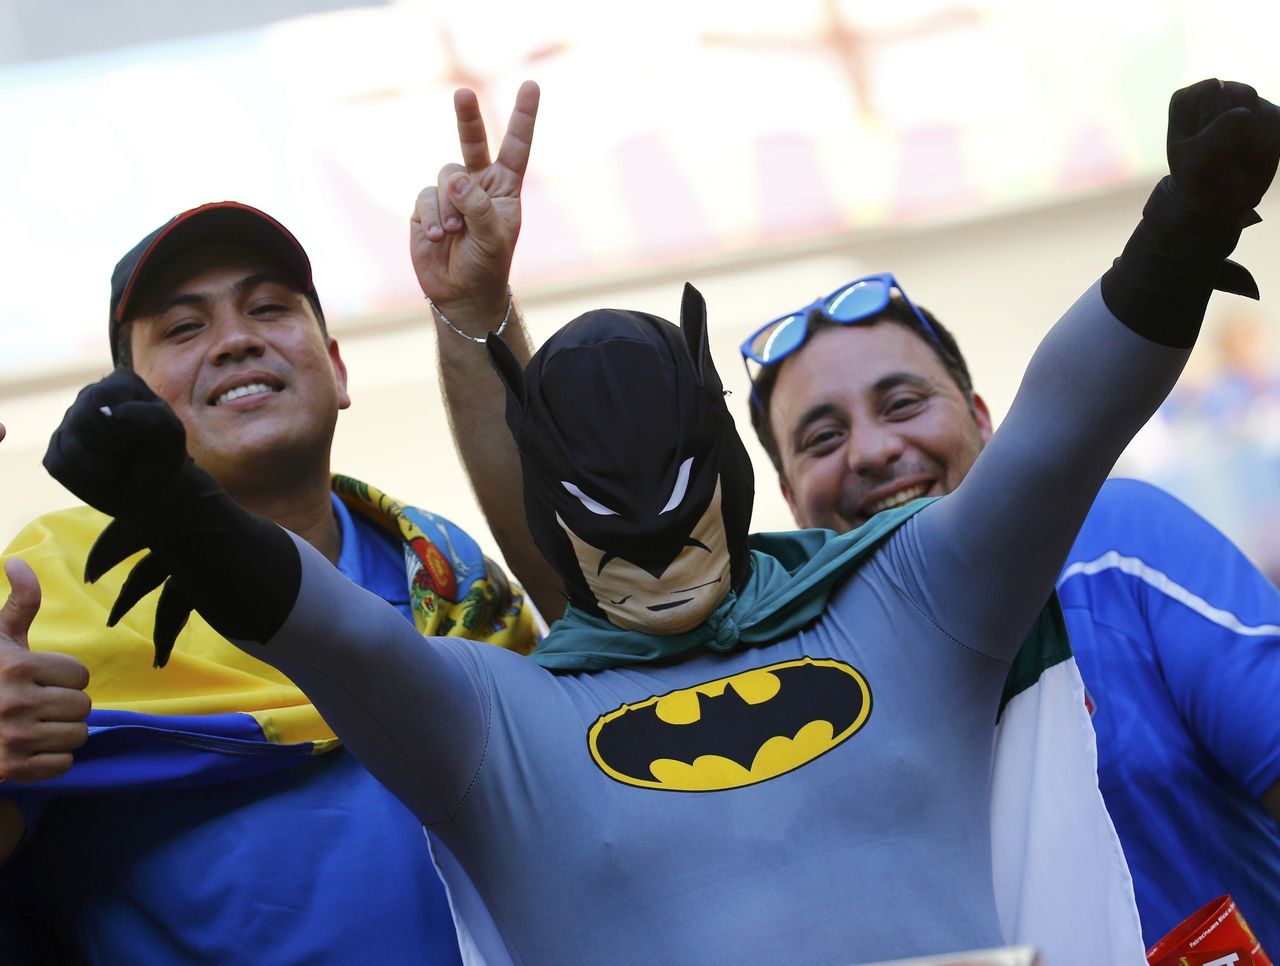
863	402
869	398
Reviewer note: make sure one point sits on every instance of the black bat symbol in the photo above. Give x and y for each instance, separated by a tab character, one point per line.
732	728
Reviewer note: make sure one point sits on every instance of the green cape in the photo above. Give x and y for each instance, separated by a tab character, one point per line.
792	576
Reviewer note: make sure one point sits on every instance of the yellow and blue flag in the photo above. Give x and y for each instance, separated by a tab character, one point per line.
214	714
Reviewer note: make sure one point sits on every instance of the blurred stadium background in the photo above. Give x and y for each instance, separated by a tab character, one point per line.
993	154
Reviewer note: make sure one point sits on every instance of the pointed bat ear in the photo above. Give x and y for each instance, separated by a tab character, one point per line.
509	369
693	323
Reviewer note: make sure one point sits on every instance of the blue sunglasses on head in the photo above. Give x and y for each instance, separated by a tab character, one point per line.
854	302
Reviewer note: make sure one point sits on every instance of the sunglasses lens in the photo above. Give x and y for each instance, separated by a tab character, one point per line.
779	339
859	301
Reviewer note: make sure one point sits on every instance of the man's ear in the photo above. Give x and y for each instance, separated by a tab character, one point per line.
339	373
693	324
982	416
509	370
791	502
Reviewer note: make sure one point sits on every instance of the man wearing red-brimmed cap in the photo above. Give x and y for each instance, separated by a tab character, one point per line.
211	815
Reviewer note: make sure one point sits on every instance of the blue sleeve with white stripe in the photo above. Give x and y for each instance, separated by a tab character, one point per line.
1212	620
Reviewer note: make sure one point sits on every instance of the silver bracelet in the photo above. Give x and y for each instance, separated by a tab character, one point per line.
483	339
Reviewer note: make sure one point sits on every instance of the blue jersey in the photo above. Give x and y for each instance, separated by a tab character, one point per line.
314	863
1178	639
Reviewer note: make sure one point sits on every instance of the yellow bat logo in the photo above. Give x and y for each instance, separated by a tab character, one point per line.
733	731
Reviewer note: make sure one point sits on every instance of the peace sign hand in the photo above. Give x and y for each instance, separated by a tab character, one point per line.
463	231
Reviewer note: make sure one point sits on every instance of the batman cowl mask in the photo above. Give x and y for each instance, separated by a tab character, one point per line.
637	486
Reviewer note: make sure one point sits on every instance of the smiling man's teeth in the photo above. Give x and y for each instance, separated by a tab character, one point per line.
239	391
898	499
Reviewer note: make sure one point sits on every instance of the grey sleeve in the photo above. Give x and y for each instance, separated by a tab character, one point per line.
991	550
413	710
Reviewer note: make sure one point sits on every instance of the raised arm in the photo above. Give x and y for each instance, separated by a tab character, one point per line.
1099	375
462	237
388	693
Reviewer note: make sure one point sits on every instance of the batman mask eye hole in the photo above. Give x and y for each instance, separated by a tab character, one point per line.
594	506
682	485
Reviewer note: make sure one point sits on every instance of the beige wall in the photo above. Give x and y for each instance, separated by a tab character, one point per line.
998	283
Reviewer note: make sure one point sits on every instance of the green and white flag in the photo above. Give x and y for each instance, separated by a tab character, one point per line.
1061	880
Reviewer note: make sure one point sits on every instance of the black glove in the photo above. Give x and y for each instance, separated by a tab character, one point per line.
120	448
1223	149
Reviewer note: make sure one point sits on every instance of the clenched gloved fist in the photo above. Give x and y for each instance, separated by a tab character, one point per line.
121	449
1223	147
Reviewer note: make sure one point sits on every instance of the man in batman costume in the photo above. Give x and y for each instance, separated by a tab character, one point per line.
641	503
656	446
796	769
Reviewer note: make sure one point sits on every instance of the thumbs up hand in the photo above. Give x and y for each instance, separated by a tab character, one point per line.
43	704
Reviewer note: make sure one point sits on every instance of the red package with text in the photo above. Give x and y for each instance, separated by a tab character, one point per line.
1214	935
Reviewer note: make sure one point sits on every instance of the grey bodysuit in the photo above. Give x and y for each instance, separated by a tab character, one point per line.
877	847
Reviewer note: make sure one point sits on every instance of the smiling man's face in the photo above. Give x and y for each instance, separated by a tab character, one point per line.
866	418
228	340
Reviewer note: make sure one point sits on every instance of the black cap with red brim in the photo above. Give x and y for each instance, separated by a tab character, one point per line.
221	221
